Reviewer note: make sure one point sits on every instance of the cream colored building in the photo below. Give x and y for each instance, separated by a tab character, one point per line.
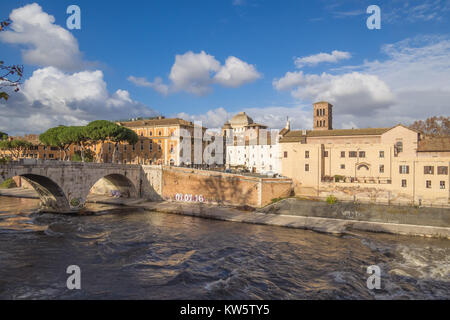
250	145
387	165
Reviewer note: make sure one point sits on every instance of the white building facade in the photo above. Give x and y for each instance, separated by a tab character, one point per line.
251	146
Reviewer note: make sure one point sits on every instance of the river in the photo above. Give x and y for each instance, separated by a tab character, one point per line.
135	254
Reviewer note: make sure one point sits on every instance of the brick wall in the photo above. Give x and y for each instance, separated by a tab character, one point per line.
216	187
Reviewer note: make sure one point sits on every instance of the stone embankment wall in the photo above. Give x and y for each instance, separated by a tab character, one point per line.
437	217
189	185
192	185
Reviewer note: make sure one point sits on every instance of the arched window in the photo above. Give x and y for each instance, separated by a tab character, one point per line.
363	166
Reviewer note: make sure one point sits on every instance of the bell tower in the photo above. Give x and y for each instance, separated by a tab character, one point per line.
323	116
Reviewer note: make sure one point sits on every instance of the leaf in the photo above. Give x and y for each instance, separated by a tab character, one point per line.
4	95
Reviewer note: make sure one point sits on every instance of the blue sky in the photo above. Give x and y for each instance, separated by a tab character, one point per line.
368	76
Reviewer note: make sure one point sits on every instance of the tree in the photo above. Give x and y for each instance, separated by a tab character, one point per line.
122	134
10	76
3	136
433	127
79	137
101	131
88	156
15	147
57	137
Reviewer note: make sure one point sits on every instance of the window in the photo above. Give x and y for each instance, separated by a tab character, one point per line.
399	146
51	155
306	167
404	169
325	154
306	154
142	145
352	154
134	147
404	184
428	170
151	133
125	147
342	166
285	154
381	154
442	170
362	154
342	154
428	184
442	184
381	168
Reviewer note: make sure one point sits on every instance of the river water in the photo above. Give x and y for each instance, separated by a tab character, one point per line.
134	254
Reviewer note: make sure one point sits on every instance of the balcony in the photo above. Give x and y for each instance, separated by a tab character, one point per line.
346	179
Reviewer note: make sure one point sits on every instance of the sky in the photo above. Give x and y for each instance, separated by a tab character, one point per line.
208	60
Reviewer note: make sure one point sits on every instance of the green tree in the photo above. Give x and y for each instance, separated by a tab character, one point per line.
3	136
15	147
101	131
122	134
88	156
57	137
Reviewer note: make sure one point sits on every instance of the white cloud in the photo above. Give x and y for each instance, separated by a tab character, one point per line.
195	73
238	2
157	84
315	59
274	116
236	72
212	119
191	72
45	43
412	82
51	97
353	93
430	10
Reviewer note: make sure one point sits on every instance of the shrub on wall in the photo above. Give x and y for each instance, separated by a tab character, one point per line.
8	184
331	199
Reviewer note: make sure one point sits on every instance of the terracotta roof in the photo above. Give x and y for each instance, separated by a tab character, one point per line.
156	122
347	132
256	125
321	102
293	136
434	144
283	131
297	135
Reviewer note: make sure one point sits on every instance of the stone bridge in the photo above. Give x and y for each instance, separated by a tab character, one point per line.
63	186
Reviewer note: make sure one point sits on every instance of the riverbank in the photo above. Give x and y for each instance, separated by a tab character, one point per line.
318	224
339	219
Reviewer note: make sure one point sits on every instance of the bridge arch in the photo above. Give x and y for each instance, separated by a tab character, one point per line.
113	182
52	196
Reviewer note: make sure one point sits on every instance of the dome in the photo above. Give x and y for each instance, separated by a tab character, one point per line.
240	120
227	125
